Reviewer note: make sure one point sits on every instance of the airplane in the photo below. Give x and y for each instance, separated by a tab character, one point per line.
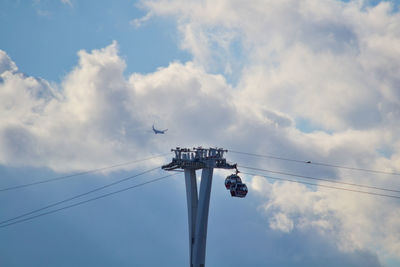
159	131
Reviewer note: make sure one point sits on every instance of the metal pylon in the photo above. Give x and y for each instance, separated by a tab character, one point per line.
198	204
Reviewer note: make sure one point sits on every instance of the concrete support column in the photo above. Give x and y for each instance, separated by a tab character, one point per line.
192	202
199	248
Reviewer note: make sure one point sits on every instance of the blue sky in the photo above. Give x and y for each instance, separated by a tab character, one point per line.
81	83
44	36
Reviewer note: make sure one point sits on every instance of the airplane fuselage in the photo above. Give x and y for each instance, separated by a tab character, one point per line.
159	131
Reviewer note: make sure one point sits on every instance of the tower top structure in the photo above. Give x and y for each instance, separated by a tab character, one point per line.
198	158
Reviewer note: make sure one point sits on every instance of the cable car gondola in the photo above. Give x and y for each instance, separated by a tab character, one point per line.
232	180
239	190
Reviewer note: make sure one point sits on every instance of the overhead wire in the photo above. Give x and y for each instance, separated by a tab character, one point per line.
20	218
80	173
322	185
320	179
315	163
86	201
77	196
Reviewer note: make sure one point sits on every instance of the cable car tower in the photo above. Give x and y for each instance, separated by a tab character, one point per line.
191	160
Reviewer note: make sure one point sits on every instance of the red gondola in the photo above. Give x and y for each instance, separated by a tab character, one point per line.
232	180
239	190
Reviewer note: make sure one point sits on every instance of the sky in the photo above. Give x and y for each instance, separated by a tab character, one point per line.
82	82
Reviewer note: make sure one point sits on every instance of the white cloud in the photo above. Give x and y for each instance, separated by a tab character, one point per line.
281	222
354	222
138	22
96	114
320	60
60	127
6	64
